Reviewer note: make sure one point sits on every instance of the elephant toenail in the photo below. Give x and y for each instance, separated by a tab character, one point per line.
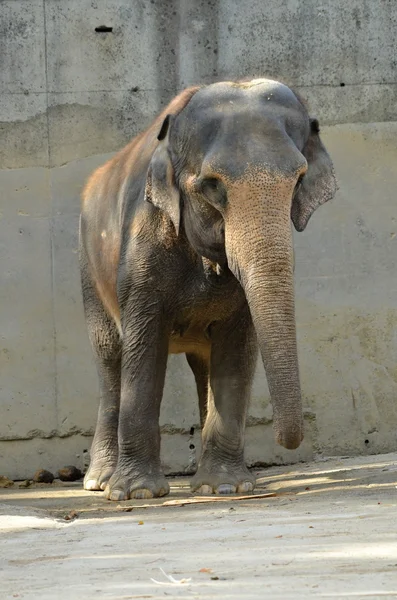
226	488
204	490
115	495
142	494
91	485
245	487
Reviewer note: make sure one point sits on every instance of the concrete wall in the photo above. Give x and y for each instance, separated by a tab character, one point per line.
70	95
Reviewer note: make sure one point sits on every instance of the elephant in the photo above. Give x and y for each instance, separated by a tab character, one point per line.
186	247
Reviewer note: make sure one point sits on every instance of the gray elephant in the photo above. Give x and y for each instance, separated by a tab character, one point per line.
186	247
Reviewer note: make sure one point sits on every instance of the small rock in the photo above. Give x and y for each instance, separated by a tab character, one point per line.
71	516
25	484
5	482
43	476
70	473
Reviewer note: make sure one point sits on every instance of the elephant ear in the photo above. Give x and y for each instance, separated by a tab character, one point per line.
160	189
318	184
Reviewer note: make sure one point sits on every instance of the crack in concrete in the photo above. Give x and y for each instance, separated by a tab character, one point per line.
45	435
166	428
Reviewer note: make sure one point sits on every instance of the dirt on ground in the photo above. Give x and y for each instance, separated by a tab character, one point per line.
326	529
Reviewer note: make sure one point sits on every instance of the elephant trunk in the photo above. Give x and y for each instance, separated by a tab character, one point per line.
260	254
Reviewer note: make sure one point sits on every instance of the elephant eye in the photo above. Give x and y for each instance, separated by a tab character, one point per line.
214	190
210	185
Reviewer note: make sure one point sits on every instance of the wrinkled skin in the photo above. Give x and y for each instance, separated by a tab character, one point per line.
186	247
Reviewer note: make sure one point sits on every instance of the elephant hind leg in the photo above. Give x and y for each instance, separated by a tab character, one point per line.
200	367
106	345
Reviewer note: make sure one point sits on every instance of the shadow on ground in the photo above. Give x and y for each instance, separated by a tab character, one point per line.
341	477
328	532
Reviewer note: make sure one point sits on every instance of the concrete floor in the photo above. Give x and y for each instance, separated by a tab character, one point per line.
330	532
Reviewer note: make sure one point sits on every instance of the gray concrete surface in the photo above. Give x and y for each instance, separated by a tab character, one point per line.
71	96
328	533
69	92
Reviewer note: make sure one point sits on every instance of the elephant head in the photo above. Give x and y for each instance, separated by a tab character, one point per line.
232	169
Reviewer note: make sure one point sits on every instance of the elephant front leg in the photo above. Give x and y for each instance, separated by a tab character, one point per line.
222	468
138	472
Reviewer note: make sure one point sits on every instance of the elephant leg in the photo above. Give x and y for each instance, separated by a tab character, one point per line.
106	346
138	472
200	367
234	352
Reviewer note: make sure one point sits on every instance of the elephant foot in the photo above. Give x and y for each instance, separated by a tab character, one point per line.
97	476
238	481
141	487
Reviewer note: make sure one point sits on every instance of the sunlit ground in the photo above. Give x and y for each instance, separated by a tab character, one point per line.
330	532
